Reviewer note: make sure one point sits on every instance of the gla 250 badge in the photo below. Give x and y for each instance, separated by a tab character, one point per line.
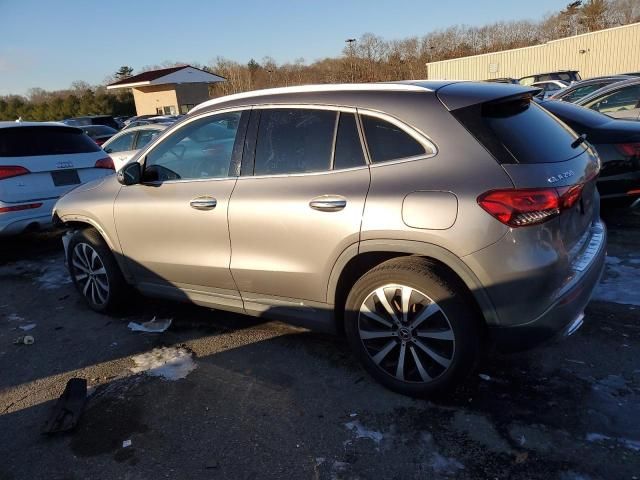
560	176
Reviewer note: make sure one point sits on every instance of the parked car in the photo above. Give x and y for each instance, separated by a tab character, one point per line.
578	90
99	133
160	119
138	117
39	162
425	220
567	76
617	143
107	120
125	144
549	87
618	100
503	80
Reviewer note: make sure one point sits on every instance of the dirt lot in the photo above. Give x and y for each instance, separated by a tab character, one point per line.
249	399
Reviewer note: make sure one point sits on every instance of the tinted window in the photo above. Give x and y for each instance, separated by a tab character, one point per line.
579	92
294	141
624	99
145	136
200	149
519	131
120	144
348	147
32	141
388	142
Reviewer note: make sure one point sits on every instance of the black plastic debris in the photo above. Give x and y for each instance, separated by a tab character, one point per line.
67	410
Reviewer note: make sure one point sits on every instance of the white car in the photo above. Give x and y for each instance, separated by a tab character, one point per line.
123	146
550	87
40	162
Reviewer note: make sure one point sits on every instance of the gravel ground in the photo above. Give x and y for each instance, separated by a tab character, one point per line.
249	399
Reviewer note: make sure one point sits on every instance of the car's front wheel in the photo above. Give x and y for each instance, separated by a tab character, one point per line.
94	271
413	326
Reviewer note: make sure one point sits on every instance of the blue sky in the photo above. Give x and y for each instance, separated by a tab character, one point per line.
50	44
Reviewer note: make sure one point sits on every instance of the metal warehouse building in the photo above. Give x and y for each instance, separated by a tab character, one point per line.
610	51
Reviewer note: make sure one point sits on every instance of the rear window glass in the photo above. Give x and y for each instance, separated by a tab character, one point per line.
34	141
294	141
388	142
519	131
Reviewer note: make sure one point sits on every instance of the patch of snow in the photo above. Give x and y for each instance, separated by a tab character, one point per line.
49	274
152	326
445	465
484	376
628	443
320	461
126	443
621	283
27	327
361	432
170	363
14	317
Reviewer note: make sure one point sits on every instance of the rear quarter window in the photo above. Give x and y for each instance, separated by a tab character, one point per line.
519	131
37	141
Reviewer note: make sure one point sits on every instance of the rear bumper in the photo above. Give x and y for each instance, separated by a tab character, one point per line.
14	223
564	316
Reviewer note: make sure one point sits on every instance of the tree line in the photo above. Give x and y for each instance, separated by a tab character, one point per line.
365	59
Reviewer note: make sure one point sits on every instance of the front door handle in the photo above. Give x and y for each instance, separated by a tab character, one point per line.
328	203
203	203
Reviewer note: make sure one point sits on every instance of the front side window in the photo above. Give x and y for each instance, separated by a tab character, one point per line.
120	144
200	149
387	142
294	140
620	100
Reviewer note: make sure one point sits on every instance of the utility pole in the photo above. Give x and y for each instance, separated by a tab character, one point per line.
351	42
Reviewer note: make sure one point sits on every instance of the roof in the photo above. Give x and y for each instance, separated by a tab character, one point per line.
404	86
181	74
8	124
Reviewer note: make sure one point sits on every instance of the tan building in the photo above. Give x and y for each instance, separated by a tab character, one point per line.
606	52
169	91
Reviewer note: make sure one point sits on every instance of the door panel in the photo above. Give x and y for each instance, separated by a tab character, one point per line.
283	245
173	229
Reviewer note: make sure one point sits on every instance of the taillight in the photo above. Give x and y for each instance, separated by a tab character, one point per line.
105	162
629	149
16	208
520	208
12	171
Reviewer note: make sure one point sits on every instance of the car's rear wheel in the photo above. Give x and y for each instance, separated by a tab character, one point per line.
94	271
413	326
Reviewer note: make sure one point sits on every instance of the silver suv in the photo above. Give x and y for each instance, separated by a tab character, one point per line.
426	221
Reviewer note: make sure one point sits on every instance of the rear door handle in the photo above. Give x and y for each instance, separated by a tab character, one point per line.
328	203
203	203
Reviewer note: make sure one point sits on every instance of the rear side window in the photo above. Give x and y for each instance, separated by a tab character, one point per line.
36	141
294	141
519	131
348	152
121	144
389	142
580	92
144	137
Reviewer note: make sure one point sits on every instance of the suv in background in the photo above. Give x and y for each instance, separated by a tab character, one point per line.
39	162
107	120
567	76
424	220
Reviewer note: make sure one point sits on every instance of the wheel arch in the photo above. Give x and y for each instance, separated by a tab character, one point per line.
355	262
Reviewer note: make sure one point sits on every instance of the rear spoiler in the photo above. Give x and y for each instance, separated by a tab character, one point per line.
464	94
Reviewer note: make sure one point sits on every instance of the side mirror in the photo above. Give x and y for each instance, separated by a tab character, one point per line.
130	174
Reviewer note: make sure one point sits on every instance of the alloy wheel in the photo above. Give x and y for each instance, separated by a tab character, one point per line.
90	274
406	333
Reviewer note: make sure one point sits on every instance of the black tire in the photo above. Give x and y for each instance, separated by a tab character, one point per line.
79	251
453	332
